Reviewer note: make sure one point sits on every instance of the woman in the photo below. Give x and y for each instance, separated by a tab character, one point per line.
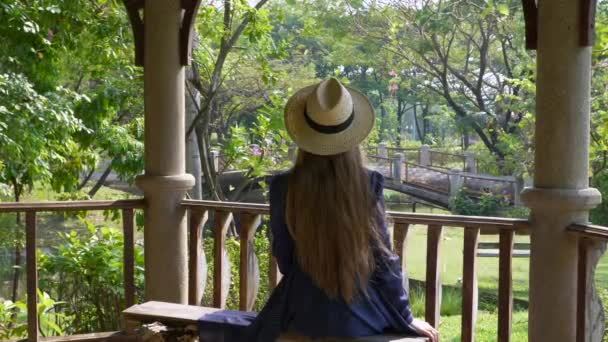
329	235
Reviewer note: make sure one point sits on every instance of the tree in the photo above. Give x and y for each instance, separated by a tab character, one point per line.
221	29
470	54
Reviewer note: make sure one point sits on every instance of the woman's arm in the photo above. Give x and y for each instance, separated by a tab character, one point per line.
282	243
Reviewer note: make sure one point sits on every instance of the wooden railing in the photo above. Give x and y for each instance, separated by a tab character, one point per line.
31	209
447	160
586	234
250	216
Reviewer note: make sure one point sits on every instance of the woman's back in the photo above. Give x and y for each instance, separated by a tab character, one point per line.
328	230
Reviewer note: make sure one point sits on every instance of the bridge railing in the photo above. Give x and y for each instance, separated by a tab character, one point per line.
447	160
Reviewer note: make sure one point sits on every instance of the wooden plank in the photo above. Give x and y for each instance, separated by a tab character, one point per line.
70	205
409	218
112	336
433	275
469	284
195	256
581	291
188	314
235	207
129	256
166	312
32	276
221	263
249	271
505	286
589	231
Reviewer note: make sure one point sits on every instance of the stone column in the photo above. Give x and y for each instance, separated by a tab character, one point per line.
561	193
215	160
470	162
456	181
425	155
398	171
382	150
165	181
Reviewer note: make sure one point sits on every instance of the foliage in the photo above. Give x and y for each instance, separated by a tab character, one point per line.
85	272
599	215
262	250
261	148
487	205
13	317
37	134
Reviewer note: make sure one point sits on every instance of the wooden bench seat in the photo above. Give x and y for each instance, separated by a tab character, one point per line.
182	315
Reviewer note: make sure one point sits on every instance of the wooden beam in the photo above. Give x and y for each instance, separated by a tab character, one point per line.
129	256
32	276
433	275
505	286
469	284
221	263
249	271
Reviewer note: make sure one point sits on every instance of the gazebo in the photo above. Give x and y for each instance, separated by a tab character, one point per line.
564	247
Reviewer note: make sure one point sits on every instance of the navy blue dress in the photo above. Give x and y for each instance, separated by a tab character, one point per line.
299	307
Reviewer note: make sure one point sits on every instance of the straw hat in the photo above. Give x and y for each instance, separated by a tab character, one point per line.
328	118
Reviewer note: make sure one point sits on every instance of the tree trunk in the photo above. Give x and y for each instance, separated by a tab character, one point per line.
100	181
85	180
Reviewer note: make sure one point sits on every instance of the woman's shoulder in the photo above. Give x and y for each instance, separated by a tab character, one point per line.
376	178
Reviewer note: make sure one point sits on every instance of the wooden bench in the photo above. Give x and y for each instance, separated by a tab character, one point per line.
491	250
183	315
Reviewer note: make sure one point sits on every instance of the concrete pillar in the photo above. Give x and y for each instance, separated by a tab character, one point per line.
382	150
398	172
165	181
561	193
518	187
425	155
456	181
470	162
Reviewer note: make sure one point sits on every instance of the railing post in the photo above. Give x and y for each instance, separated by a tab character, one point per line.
221	261
433	275
292	153
382	150
32	276
129	257
425	155
399	244
215	160
197	260
469	284
470	162
456	182
518	187
249	270
398	169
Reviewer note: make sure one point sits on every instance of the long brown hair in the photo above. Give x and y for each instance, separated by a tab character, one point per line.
332	214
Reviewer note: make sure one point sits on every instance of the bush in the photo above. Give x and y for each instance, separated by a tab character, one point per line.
487	205
85	272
